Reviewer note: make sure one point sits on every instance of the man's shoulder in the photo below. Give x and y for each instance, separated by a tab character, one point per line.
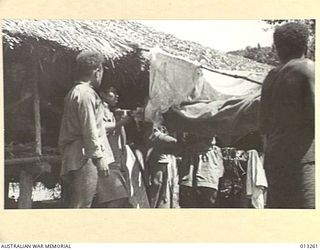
83	88
301	67
81	91
270	77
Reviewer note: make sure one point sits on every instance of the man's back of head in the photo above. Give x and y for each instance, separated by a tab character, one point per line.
89	66
291	40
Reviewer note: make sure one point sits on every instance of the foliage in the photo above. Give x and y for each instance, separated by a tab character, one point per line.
268	55
260	54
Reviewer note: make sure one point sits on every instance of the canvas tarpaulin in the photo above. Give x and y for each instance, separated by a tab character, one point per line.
228	120
172	79
203	102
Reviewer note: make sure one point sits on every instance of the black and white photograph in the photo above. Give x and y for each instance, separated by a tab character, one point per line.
173	114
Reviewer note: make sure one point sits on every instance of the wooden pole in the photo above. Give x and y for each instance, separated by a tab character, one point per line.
36	108
33	159
231	75
26	178
25	185
6	191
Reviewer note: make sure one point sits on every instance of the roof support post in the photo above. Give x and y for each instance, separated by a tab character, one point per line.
26	177
36	108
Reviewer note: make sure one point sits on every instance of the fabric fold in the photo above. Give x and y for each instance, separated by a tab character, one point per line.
256	183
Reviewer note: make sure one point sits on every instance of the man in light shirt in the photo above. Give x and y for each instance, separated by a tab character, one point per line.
82	141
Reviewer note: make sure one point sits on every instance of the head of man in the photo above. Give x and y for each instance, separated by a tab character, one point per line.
291	41
90	67
110	96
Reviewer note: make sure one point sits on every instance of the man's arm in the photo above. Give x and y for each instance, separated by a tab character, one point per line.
264	109
87	119
301	93
162	140
308	97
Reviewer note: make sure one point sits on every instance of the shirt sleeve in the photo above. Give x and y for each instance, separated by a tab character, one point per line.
163	141
86	111
158	137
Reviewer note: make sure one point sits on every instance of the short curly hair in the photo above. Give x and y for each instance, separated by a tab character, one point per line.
291	40
88	61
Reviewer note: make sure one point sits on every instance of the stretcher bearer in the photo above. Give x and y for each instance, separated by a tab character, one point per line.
199	172
113	190
83	143
162	169
287	122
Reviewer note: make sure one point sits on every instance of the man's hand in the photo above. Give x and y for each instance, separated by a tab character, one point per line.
101	165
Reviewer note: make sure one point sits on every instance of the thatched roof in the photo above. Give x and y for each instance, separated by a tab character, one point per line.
59	41
114	38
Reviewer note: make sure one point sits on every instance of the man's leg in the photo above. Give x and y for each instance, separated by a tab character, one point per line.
164	200
173	184
83	186
283	188
157	181
308	185
206	197
187	197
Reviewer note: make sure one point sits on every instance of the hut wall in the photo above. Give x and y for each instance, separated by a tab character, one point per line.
17	98
55	79
57	71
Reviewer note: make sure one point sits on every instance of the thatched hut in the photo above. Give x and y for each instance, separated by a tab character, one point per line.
39	58
46	50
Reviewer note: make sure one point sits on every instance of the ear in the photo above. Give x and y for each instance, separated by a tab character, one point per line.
98	70
94	73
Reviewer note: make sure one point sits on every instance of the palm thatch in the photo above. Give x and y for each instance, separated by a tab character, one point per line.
114	38
56	44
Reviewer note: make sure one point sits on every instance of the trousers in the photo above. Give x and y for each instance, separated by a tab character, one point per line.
292	187
80	186
197	197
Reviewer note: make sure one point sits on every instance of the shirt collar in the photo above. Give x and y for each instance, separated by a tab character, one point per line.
84	83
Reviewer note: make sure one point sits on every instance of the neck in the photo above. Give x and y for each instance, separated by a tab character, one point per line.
284	61
87	82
